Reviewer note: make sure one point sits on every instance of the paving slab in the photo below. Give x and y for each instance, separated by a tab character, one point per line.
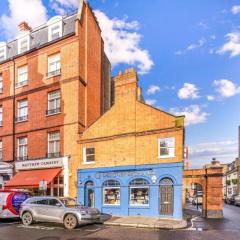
146	222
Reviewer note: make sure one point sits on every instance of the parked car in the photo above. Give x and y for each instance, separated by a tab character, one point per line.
230	199
60	210
237	200
10	202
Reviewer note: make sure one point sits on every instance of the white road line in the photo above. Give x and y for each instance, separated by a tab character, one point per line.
11	223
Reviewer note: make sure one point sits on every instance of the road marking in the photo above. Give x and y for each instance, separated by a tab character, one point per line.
11	223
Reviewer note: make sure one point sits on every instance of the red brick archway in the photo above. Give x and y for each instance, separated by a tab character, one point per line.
211	181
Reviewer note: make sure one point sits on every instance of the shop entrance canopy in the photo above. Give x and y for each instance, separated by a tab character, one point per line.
31	179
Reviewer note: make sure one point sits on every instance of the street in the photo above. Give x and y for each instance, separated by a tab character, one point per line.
227	228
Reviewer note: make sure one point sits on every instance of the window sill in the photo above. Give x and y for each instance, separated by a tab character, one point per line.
139	206
87	163
111	205
52	114
163	157
20	86
20	121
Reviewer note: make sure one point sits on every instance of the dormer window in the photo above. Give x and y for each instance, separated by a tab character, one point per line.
3	52
23	44
55	28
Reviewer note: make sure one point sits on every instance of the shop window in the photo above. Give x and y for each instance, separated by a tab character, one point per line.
54	144
55	181
1	83
139	192
88	155
60	192
22	110
22	148
166	147
60	179
1	150
54	65
111	192
1	116
53	102
22	78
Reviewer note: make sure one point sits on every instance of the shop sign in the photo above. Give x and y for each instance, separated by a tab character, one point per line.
125	174
39	164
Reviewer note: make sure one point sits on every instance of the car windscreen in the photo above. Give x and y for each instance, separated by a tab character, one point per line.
69	202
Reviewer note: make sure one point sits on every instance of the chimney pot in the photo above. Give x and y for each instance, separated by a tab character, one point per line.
23	26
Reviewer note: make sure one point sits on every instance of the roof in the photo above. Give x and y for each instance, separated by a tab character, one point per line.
39	36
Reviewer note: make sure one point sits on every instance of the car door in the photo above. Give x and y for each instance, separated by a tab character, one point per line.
55	210
39	208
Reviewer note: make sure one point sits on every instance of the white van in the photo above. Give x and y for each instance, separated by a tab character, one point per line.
10	202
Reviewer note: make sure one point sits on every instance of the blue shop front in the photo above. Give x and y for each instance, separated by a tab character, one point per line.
143	190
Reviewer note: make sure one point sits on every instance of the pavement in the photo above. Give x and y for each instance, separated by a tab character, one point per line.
199	228
146	222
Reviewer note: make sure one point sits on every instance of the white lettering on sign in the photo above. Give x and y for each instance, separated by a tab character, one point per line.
39	164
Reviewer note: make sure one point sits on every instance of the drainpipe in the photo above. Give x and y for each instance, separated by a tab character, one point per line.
14	98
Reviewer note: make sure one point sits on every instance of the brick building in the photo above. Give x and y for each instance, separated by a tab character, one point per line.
54	83
131	158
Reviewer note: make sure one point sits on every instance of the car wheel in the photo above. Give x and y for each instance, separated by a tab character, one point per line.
70	221
27	218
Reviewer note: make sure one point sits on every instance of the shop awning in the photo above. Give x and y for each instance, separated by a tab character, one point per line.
31	179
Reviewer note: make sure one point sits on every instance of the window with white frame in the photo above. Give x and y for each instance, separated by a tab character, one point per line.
88	155
22	148
22	79
139	192
1	116
22	110
54	65
54	102
111	192
58	186
23	44
3	53
1	150
1	83
166	147
55	31
54	144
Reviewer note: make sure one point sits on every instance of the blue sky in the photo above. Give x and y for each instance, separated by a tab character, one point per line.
187	53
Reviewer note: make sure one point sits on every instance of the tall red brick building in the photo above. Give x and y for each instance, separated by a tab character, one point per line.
54	83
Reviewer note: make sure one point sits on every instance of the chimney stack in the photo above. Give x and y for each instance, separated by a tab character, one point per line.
23	27
126	86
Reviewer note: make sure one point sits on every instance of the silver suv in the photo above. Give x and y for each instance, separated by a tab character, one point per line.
59	210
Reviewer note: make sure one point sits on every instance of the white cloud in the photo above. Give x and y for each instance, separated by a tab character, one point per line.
188	91
122	42
192	47
31	11
235	9
210	98
226	88
63	6
153	89
232	46
193	114
202	153
151	101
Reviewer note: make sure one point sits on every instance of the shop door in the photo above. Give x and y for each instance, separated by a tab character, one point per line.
90	194
166	199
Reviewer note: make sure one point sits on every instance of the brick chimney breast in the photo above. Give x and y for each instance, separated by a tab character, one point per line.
126	85
23	27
